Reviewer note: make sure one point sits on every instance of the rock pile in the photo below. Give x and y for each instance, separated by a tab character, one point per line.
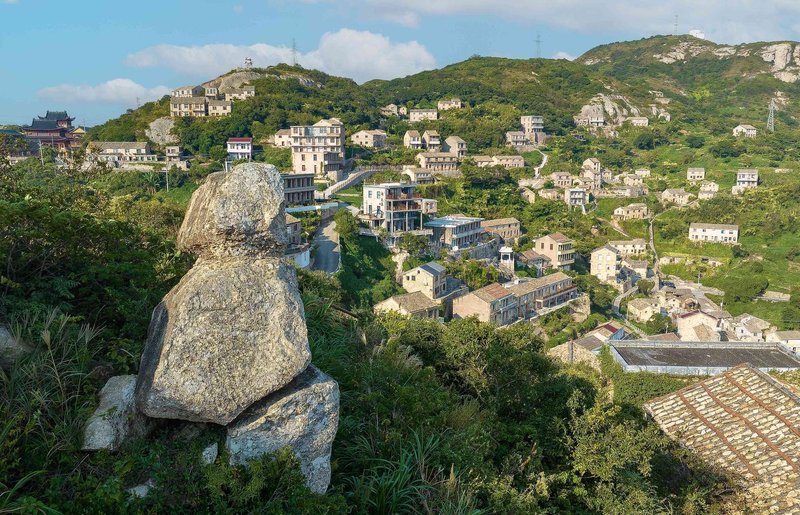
230	339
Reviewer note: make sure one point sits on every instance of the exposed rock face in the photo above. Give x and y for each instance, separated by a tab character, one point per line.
116	418
210	453
11	349
303	416
160	131
238	213
232	331
614	108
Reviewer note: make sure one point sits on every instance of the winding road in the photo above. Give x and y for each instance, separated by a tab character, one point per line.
328	252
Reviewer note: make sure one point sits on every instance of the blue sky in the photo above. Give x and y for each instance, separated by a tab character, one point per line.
95	60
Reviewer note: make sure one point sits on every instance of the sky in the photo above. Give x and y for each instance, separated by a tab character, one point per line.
97	58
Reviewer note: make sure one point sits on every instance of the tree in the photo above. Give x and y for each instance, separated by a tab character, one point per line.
645	141
695	141
413	244
346	224
645	286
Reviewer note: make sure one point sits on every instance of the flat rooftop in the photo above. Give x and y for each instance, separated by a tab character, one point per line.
701	358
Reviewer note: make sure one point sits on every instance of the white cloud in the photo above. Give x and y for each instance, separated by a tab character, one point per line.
564	55
722	20
115	91
360	55
238	9
8	1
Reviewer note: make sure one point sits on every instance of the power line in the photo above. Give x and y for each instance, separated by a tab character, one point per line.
538	41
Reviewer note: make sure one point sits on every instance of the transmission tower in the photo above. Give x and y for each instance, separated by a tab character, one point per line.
294	53
771	118
538	45
675	28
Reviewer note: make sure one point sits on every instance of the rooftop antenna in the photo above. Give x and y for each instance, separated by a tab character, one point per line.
294	52
676	25
538	45
771	118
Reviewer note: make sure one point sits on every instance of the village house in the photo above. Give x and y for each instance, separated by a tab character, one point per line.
747	328
373	138
282	138
592	164
211	91
677	300
746	178
455	145
605	264
492	303
694	175
429	279
714	233
413	305
219	107
586	348
631	212
431	141
438	161
550	194
533	127
677	196
634	247
393	206
294	229
412	139
319	148
528	194
390	110
240	148
508	162
455	232
173	153
594	119
508	229
546	292
298	188
698	326
558	248
418	175
790	339
642	310
517	139
748	131
633	270
642	172
592	179
533	260
632	180
418	115
118	152
453	103
195	107
576	197
708	190
561	179
188	91
638	121
242	93
430	206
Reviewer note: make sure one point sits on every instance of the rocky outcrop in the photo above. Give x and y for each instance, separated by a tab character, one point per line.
160	131
614	108
230	340
239	78
116	418
231	332
303	416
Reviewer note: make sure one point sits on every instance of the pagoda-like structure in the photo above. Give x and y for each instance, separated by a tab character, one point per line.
54	130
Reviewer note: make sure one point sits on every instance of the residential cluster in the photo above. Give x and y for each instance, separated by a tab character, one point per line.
207	100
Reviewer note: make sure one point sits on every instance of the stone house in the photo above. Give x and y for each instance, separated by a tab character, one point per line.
390	110
413	305
632	180
592	164
708	190
242	93
239	148
418	175
282	138
492	303
298	188
188	91
455	232
698	326
431	141
746	178
714	233
694	175
546	292
438	161
219	107
631	212
455	145
429	279
605	264
550	194
418	115
642	310
412	139
533	260
561	179
558	248
509	162
677	196
373	138
576	197
319	148
517	139
748	328
638	121
121	152
508	229
632	247
453	103
642	172
294	229
195	107
748	131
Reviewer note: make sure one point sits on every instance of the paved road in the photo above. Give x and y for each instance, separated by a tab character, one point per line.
328	252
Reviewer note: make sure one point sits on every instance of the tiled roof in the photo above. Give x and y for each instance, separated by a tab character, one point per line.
557	236
589	342
291	219
492	292
499	221
113	145
726	227
414	302
746	423
433	268
540	282
531	254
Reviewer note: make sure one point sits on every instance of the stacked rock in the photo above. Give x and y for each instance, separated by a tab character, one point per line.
228	344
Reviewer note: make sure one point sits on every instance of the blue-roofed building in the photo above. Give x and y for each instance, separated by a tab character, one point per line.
455	231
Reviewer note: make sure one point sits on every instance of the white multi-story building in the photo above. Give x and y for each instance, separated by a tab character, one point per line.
319	148
455	145
418	115
695	174
533	127
748	131
432	141
747	178
240	148
453	103
714	233
412	139
374	138
394	206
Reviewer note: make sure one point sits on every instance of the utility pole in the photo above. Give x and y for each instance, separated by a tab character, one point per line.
294	52
676	25
771	118
538	46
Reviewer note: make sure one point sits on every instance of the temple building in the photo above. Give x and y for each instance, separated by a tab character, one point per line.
54	130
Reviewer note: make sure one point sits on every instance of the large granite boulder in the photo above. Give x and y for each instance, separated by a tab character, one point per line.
116	418
230	333
237	213
302	416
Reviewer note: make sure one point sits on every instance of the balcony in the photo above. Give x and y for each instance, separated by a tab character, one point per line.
406	196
